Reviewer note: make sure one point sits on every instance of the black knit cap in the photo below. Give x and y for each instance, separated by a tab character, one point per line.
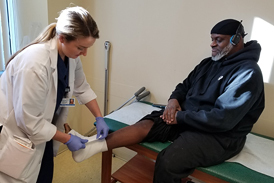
228	27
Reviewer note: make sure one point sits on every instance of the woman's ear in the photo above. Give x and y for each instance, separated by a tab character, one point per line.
61	38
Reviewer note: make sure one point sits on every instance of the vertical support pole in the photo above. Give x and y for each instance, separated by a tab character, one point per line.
107	48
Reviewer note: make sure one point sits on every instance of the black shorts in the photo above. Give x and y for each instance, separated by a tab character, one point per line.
160	131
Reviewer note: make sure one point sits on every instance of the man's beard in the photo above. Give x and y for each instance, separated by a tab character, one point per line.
223	53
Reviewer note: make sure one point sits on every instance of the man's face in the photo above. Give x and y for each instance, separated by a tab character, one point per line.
220	46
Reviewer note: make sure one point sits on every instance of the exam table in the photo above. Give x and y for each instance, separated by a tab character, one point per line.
254	164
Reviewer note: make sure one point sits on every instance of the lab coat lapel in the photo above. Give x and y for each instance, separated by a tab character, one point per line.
53	57
72	65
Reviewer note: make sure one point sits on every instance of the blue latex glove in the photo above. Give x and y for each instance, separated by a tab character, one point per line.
75	143
102	128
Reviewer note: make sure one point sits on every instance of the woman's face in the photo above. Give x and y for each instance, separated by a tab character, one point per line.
75	48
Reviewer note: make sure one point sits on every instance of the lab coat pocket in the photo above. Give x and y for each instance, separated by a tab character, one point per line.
16	158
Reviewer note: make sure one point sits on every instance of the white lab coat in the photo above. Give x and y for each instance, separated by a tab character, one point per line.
28	92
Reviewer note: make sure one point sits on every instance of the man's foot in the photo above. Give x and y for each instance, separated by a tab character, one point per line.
93	146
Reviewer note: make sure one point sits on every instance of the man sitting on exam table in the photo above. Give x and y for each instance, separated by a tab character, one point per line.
208	115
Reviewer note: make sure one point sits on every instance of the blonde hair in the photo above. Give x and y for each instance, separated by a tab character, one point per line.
73	22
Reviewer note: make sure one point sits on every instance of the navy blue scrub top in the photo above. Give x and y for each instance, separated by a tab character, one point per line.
63	80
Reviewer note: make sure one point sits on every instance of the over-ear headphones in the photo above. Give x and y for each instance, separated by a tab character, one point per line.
235	39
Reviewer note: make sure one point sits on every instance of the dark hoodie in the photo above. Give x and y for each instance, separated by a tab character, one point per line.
225	96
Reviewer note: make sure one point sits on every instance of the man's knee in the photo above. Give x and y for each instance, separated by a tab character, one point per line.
172	166
144	124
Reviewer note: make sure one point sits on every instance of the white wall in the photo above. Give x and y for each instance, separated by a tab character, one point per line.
156	44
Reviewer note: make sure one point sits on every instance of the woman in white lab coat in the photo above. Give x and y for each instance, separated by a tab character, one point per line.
35	89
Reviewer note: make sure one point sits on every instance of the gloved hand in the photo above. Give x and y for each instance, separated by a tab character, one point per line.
75	143
102	128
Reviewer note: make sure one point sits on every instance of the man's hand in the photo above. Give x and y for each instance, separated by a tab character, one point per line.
169	115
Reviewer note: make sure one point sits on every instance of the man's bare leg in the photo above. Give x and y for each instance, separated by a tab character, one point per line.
129	135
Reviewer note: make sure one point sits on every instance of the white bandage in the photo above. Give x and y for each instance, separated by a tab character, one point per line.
93	146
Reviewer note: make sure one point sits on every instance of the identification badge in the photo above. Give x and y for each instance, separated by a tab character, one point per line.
67	102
